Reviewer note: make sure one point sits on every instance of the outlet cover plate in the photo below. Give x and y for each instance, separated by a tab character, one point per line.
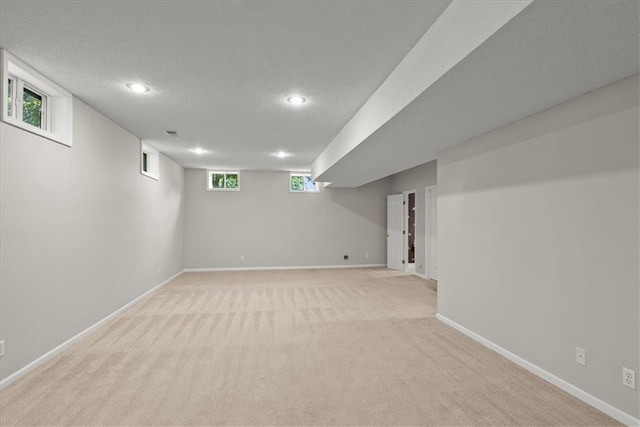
629	378
581	356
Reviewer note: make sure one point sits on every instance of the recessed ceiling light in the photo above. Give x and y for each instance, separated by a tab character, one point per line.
137	87
199	150
281	154
296	100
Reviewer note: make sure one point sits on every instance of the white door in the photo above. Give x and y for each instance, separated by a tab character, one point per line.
431	222
394	231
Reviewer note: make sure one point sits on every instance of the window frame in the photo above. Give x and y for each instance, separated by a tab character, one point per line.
304	187
57	103
149	157
11	89
18	102
211	172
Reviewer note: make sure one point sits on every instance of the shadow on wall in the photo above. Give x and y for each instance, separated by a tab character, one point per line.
540	163
538	239
360	201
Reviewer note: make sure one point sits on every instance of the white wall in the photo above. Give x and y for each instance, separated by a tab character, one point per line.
417	178
83	233
538	234
272	227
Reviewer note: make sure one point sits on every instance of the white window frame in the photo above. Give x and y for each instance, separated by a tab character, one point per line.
220	172
57	103
19	87
153	161
304	188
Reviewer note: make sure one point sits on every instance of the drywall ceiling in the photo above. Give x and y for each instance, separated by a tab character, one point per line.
548	53
219	71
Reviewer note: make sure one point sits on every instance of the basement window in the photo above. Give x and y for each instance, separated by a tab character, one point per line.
12	84
34	106
302	183
223	180
149	161
26	104
33	102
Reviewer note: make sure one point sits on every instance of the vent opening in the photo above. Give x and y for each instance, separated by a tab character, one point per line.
173	133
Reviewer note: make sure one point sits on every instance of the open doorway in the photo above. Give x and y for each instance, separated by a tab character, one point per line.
431	228
410	231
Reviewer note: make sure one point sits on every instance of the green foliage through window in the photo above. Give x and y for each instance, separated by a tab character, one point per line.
33	104
232	180
217	180
297	183
10	99
32	108
303	182
224	181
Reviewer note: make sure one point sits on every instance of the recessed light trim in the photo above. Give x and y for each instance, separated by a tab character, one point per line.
137	88
296	100
281	154
172	133
198	150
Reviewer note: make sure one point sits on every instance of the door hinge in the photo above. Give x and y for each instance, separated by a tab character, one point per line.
403	261
404	203
403	232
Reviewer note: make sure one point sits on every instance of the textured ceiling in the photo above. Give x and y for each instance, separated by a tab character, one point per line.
547	54
218	71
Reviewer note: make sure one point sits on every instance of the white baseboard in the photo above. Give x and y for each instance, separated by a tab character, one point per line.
422	276
305	267
48	355
608	409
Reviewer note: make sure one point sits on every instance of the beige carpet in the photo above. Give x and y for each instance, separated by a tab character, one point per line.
313	347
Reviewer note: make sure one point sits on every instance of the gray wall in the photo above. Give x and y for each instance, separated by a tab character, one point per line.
538	239
272	227
83	233
417	178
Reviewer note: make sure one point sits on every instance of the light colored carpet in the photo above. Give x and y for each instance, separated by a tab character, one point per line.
312	347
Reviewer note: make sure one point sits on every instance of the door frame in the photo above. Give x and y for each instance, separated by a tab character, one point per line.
398	197
405	227
428	191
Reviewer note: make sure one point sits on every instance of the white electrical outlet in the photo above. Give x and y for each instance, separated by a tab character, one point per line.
629	378
581	356
241	257
366	255
1	348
